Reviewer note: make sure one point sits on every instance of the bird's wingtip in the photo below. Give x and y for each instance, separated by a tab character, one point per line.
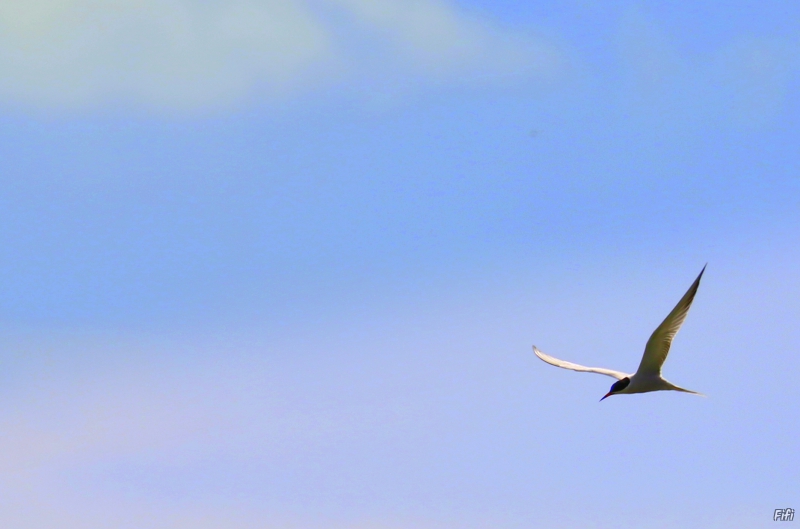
700	275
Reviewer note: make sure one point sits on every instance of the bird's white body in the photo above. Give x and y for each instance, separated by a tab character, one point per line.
645	383
648	377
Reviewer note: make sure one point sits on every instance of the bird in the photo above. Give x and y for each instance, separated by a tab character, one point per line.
648	376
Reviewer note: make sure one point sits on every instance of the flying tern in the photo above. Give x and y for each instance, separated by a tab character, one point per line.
648	376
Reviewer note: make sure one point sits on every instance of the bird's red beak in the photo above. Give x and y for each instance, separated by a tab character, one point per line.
606	395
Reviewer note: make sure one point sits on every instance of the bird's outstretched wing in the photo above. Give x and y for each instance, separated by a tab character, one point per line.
576	367
657	348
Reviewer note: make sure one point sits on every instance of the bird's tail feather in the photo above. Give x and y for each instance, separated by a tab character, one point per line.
676	388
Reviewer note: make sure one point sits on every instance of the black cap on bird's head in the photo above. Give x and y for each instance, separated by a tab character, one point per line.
617	386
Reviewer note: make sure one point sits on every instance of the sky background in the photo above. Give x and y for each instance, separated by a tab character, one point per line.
280	264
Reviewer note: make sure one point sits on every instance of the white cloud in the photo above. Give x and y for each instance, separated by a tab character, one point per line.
191	54
179	53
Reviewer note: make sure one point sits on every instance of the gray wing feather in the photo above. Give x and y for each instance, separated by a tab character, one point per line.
657	348
576	367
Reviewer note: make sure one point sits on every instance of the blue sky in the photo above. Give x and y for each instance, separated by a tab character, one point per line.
281	264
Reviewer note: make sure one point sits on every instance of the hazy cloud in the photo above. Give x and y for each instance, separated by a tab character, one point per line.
746	81
760	73
199	442
190	54
646	51
431	36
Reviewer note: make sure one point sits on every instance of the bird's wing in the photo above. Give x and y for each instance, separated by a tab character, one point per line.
657	348
576	367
